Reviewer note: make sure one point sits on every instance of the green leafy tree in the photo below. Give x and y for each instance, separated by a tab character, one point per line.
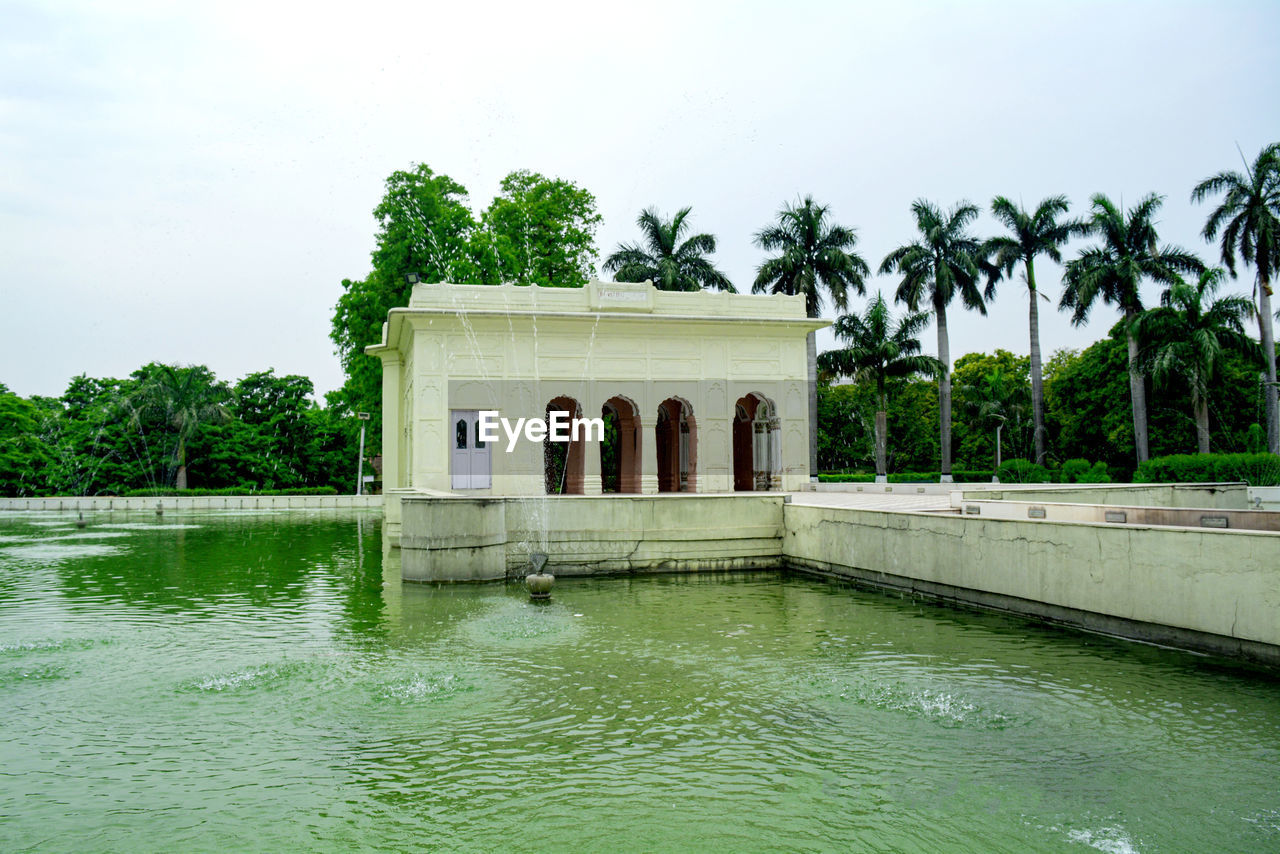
878	347
542	231
183	399
813	255
425	228
1186	337
1249	218
1031	235
845	435
670	262
275	409
23	456
996	401
974	430
945	261
1114	272
96	450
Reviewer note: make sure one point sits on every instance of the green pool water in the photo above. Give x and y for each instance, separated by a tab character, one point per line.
265	682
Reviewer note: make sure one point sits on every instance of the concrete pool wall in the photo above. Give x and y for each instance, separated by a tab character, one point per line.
1204	589
1214	591
103	503
486	539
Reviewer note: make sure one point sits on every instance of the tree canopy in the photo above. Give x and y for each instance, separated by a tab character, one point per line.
813	254
537	230
672	264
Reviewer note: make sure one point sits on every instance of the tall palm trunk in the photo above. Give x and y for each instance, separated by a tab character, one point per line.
1137	389
1200	403
811	343
1269	356
882	433
944	387
181	480
1037	381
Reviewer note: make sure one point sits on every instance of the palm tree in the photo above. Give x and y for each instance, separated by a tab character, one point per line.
1039	233
945	261
814	254
1186	337
670	264
1250	211
878	347
183	398
1114	272
993	402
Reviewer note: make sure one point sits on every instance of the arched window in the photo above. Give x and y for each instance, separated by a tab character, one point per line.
756	449
620	450
562	461
676	436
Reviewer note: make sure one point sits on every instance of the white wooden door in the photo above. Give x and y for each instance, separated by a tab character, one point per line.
469	463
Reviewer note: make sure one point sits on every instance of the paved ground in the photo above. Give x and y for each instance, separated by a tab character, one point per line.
873	501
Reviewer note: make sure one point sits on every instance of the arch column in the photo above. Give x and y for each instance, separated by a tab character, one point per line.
648	455
591	482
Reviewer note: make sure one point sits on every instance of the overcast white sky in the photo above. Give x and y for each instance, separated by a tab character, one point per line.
191	182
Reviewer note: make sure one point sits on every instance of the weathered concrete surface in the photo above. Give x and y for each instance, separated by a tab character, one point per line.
1210	590
194	502
453	539
1248	520
588	535
475	539
875	500
1264	497
903	488
1222	496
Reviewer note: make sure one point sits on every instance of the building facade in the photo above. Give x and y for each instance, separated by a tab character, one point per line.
691	392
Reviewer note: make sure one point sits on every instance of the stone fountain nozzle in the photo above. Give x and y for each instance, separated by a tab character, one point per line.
538	582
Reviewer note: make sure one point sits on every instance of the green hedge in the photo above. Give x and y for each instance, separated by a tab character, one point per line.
168	492
1023	471
1082	471
1254	469
961	475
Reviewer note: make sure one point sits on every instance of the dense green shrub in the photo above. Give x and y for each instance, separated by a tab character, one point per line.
1081	471
1254	469
1023	471
166	492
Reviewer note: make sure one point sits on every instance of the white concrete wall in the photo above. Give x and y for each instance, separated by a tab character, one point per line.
1264	497
480	539
1223	496
903	488
1113	514
195	502
1202	589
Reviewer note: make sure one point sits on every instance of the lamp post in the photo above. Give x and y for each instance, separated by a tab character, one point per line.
995	475
364	420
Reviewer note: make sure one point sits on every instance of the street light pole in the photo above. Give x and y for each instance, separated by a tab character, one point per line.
364	420
995	475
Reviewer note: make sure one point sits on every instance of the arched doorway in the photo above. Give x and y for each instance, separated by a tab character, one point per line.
562	461
620	450
676	436
755	445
